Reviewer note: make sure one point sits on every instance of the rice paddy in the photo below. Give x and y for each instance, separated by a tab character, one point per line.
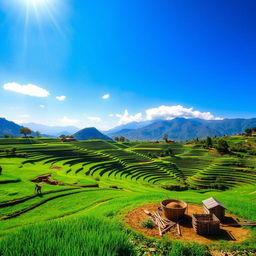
98	182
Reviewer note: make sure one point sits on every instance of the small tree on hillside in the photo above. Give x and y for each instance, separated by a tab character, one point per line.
248	131
122	139
26	131
6	135
7	152
222	146
169	152
13	151
209	143
165	137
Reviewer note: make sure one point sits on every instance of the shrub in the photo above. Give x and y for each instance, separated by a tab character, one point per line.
175	187
222	146
191	249
147	223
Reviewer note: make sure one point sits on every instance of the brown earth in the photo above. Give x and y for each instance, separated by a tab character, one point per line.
55	167
174	205
47	178
134	218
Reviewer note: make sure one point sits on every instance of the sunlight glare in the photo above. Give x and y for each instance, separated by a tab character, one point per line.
36	2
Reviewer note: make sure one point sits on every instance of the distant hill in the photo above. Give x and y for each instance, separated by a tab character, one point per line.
9	127
181	129
129	126
55	131
90	134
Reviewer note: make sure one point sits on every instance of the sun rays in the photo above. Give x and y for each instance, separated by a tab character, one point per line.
37	17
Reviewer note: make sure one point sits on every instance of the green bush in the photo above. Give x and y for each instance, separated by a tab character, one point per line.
147	223
191	249
175	187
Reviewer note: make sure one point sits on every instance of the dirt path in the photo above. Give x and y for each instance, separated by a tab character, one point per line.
134	218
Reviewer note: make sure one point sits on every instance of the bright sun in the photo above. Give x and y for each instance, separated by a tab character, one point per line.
38	15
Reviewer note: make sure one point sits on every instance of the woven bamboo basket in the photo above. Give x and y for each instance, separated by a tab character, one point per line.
206	224
173	209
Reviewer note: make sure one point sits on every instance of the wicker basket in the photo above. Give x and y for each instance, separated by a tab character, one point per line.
206	224
173	213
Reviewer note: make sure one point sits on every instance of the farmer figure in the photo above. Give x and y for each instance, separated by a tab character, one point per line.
38	189
1	170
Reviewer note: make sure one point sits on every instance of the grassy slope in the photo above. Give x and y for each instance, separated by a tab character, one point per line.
127	166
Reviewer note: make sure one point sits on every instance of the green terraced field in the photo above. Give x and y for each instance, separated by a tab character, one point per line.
86	171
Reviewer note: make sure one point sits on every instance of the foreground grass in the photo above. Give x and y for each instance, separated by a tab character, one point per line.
88	236
77	236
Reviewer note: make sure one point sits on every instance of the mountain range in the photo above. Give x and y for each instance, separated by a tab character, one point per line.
13	129
9	128
54	131
181	129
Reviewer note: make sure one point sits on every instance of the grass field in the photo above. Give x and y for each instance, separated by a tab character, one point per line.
78	218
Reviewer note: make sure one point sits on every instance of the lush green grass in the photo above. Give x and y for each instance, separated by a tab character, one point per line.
128	166
76	236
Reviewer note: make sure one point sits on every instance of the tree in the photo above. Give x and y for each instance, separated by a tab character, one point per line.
13	151
6	135
248	131
26	131
7	152
222	146
169	152
62	136
122	139
165	137
38	134
209	142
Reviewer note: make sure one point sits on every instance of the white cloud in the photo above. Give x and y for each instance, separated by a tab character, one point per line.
105	96
94	119
127	118
165	113
42	106
27	89
111	115
17	121
24	116
61	98
171	112
67	121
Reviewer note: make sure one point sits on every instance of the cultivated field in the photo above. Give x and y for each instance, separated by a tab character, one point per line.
89	187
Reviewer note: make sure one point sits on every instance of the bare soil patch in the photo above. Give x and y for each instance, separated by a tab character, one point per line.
55	167
135	217
47	178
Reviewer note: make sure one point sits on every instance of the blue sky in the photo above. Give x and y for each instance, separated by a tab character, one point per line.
154	59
